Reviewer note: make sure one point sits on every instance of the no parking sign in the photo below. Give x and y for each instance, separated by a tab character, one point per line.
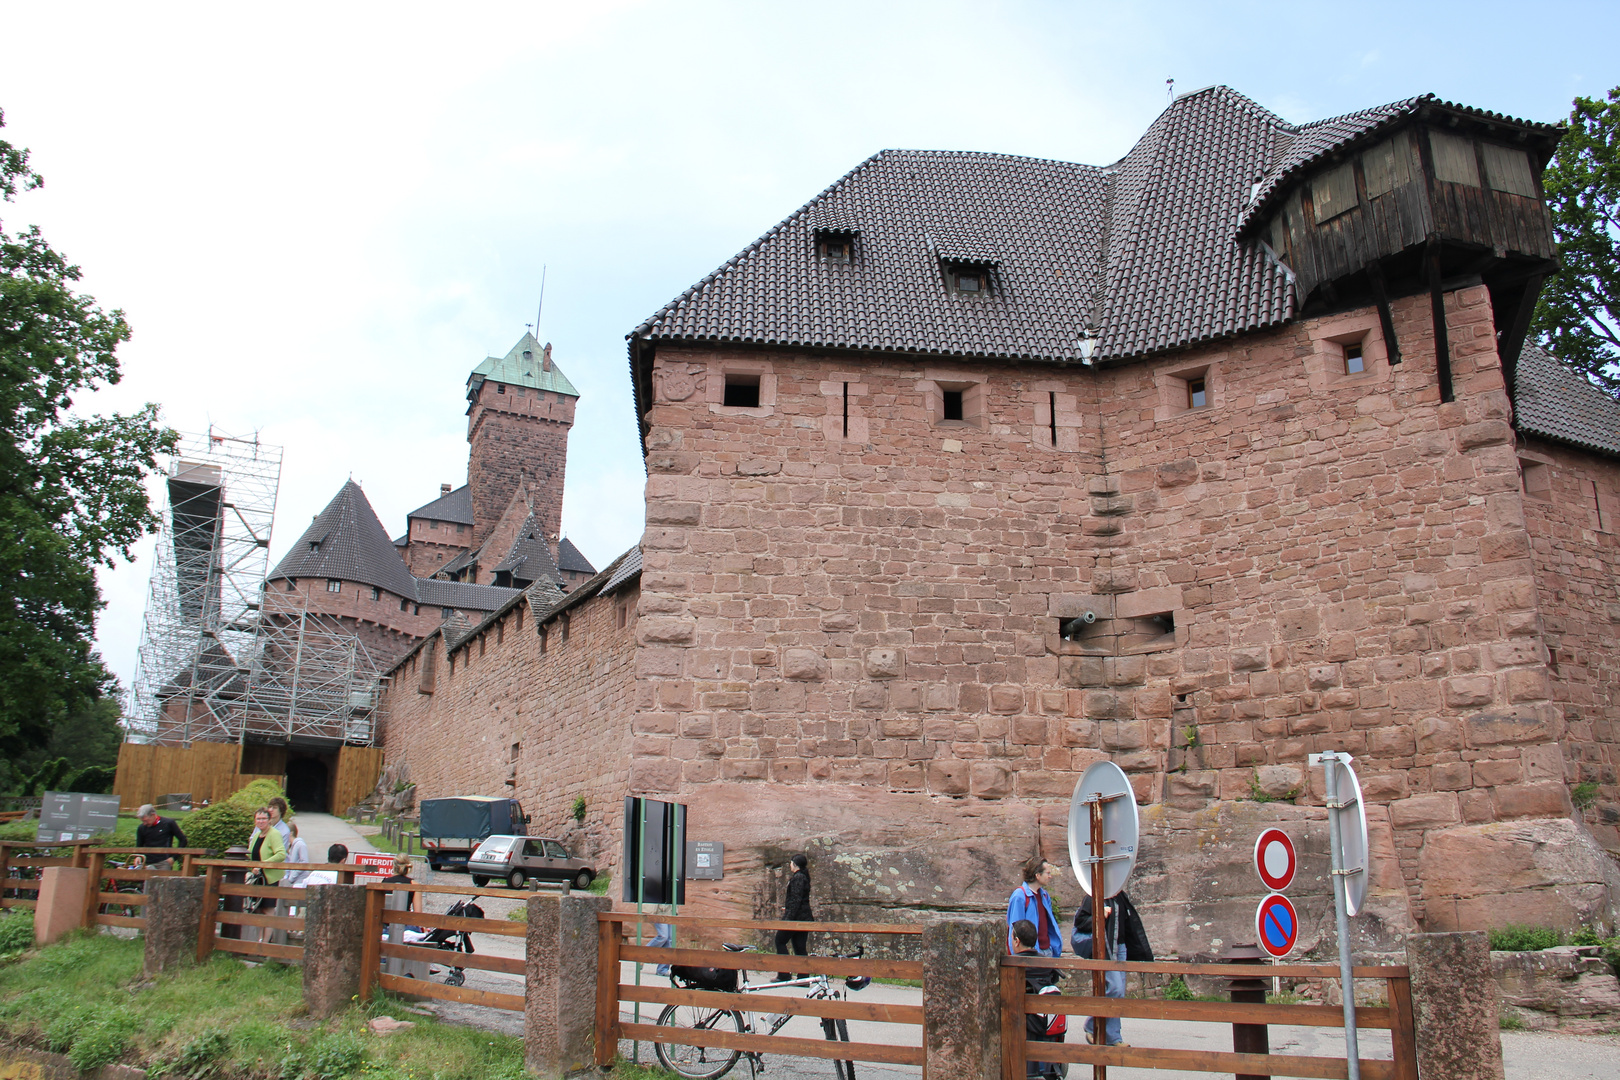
1277	925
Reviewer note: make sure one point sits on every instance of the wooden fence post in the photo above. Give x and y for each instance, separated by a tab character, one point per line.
92	896
210	908
371	953
1402	1029
1013	1027
608	934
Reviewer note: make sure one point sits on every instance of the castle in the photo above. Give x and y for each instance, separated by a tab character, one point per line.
977	469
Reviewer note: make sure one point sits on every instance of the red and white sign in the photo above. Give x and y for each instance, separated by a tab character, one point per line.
1274	858
1276	924
383	862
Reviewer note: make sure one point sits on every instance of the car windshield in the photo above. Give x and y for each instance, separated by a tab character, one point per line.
495	845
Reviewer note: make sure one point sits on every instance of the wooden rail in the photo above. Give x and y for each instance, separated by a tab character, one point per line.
1017	1050
227	927
104	868
612	949
375	950
12	886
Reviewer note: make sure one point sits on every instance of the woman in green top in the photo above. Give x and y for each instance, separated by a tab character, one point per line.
266	845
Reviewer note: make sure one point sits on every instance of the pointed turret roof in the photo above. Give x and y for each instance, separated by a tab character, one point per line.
346	541
528	364
530	556
571	559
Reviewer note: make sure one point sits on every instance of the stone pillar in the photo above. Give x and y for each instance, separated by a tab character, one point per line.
1454	1007
334	937
559	1006
962	998
174	909
62	893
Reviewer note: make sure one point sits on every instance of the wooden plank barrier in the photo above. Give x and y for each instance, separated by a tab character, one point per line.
613	949
228	927
125	904
1017	1051
21	862
379	917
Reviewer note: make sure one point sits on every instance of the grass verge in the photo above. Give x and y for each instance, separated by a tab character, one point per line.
123	835
84	997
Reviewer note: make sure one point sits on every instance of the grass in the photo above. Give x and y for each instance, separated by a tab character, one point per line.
84	997
123	835
1515	938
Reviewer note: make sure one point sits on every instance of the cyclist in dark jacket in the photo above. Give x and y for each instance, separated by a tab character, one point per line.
797	909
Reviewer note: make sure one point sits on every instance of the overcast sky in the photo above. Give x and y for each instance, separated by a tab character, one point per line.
319	217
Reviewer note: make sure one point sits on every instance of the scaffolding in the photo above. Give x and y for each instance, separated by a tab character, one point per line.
215	663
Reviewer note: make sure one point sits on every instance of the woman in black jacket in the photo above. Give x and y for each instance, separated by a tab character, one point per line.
1124	938
797	909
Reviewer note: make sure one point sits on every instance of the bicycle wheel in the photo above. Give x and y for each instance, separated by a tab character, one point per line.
838	1031
698	1062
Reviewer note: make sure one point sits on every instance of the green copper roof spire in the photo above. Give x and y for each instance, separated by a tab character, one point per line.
528	364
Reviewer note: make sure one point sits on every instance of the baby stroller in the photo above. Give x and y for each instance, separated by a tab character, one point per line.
456	941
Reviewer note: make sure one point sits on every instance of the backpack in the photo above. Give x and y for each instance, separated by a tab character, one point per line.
705	978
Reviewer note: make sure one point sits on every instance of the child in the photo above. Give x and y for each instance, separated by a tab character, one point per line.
1038	1027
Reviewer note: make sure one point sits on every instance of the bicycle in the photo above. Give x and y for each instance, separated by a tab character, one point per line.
713	1062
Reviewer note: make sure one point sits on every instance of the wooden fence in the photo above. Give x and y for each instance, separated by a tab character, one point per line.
21	862
1016	1050
124	903
379	917
228	925
610	1026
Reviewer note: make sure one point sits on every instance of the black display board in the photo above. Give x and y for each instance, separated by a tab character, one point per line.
654	849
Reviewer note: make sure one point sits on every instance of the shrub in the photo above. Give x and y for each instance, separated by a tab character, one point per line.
1177	990
256	794
1514	938
91	780
220	826
1584	794
579	808
16	932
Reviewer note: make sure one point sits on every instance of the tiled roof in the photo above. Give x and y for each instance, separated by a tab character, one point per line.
530	556
1307	145
516	369
1143	248
347	542
461	595
627	567
454	507
571	559
1556	402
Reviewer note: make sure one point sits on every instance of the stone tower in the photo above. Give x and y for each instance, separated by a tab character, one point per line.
519	410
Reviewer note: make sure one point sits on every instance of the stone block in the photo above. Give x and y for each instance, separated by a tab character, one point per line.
334	934
1544	800
1081	671
884	664
61	900
1486	730
1454	1007
990	780
559	999
1435	734
803	664
1006	699
1469	691
1569	988
173	921
1424	811
1279	781
962	1009
948	777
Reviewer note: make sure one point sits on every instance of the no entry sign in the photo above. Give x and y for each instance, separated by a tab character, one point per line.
1274	858
1277	925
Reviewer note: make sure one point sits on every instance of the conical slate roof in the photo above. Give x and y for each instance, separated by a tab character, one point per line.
571	559
529	558
346	541
523	366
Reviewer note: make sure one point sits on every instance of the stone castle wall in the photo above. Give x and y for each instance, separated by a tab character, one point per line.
1572	511
850	624
387	630
517	437
562	701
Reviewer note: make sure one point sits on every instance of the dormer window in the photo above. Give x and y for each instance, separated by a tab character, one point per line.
835	246
500	388
967	279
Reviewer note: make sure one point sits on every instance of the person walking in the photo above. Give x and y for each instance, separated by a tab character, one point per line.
279	813
1033	901
157	831
797	909
266	845
297	852
1124	938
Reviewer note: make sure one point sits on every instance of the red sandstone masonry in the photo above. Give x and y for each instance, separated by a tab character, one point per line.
568	709
1345	559
516	439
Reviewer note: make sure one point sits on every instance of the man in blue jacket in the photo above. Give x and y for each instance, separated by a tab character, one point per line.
1031	901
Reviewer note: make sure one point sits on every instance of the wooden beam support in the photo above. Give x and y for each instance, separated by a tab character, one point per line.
1437	310
1386	321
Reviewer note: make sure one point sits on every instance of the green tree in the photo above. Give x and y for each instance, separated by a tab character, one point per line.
71	487
1578	316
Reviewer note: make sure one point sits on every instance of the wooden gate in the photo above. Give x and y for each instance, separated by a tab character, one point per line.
1017	1051
123	901
379	918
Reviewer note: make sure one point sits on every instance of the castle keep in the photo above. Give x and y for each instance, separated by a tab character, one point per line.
978	468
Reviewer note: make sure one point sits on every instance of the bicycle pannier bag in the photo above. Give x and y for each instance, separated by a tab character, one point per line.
706	978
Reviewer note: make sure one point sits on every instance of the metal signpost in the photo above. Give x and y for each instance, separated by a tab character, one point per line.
1102	815
1347	830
